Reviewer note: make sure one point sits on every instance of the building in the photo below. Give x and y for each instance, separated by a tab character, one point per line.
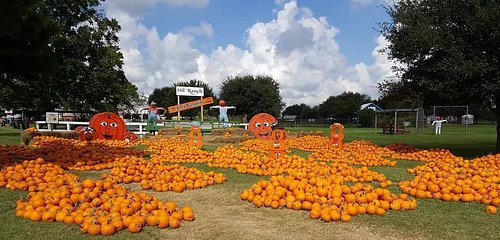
371	106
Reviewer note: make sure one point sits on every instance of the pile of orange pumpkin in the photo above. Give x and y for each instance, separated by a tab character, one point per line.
308	143
257	145
357	153
408	152
261	164
456	179
99	207
78	155
34	175
325	197
159	177
174	150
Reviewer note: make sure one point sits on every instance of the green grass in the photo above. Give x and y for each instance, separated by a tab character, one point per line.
480	139
220	214
9	135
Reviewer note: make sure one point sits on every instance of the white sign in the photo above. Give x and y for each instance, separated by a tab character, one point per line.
52	117
189	91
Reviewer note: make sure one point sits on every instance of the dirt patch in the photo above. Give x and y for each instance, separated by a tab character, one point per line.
220	214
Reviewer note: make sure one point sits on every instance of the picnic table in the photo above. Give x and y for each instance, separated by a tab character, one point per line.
399	130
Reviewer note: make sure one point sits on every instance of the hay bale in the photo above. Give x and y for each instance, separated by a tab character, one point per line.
27	136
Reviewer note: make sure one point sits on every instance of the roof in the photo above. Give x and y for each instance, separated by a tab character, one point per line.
398	110
370	105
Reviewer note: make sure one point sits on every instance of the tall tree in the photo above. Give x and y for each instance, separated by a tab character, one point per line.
252	95
450	51
343	106
166	96
300	110
62	53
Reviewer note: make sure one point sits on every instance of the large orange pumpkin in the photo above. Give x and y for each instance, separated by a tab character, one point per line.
261	125
108	126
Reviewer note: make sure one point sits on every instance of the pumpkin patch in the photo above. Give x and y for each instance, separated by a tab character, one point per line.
331	184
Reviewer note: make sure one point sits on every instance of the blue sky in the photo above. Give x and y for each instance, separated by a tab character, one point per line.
230	19
313	48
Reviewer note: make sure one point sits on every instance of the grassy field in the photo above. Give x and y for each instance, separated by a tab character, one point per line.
10	135
220	214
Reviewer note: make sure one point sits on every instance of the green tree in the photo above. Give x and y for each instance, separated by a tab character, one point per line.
166	96
394	94
366	118
74	61
343	107
449	49
300	110
252	95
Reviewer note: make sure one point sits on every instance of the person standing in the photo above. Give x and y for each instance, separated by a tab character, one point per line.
153	112
437	125
223	112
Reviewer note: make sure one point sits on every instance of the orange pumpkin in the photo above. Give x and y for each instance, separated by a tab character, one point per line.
108	126
261	125
130	136
87	134
336	135
195	137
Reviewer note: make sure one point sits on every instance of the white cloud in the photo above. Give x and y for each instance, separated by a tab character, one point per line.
204	29
296	48
361	3
137	7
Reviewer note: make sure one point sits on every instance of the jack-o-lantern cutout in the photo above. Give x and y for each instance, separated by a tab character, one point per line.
130	136
336	135
79	129
194	137
261	125
87	134
108	126
277	143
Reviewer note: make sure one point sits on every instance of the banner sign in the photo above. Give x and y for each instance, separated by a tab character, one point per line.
189	91
52	117
189	105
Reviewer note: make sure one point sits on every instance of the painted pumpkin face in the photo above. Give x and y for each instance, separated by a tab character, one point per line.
87	134
277	143
261	125
336	135
108	126
194	137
